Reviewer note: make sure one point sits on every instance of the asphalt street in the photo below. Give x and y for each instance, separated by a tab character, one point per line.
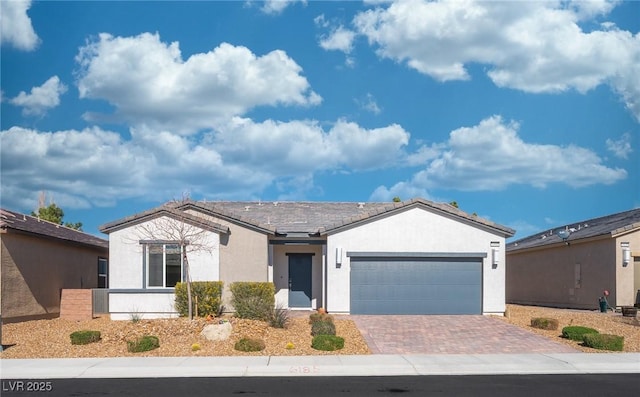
584	385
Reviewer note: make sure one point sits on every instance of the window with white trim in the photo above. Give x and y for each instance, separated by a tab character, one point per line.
164	265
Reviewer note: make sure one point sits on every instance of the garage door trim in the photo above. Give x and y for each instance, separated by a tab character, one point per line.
426	255
390	297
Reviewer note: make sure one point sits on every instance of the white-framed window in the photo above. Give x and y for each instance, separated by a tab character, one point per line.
164	265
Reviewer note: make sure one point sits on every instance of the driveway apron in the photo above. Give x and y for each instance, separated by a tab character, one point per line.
391	334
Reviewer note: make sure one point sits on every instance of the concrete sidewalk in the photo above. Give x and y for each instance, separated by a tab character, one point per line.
370	365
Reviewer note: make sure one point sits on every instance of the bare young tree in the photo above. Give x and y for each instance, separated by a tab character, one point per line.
171	225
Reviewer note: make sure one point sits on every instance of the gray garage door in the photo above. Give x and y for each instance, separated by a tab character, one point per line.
416	285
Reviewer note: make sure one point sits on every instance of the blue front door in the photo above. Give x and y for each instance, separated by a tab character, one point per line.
300	280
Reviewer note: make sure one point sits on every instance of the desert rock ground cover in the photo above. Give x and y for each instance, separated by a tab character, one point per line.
605	323
50	338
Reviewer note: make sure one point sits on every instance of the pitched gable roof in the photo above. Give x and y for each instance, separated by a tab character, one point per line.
310	218
440	208
15	221
165	210
610	225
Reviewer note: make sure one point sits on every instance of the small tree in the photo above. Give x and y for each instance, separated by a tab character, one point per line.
181	228
53	213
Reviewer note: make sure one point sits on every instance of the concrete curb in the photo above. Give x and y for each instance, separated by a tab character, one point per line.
370	365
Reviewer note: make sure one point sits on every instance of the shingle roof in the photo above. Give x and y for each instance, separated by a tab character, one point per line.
311	218
607	225
10	220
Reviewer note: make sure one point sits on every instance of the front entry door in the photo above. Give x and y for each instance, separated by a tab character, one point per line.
300	280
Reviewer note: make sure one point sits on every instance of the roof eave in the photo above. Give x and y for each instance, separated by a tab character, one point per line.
163	211
413	203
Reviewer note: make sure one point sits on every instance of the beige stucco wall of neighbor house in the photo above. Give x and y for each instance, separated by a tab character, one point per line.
244	255
34	271
280	264
627	275
572	276
126	272
416	230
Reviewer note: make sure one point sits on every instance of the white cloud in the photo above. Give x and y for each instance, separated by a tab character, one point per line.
491	156
149	83
94	167
369	104
403	190
531	46
15	25
42	98
621	147
304	146
339	39
277	6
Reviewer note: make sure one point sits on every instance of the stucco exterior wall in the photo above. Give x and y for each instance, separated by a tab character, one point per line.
628	277
35	270
127	270
281	272
244	255
415	230
136	305
549	277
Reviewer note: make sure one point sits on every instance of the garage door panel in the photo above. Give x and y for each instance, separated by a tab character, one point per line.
416	286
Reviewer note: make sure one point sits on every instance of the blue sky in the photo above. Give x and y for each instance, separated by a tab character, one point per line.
526	113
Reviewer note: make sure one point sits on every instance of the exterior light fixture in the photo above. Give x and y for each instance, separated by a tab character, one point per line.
495	254
626	254
338	256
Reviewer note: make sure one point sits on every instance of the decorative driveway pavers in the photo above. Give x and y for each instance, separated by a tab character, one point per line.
390	334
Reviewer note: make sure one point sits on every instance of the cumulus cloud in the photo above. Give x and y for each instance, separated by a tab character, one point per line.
620	147
536	47
42	98
340	39
305	146
148	82
491	156
275	7
94	167
15	25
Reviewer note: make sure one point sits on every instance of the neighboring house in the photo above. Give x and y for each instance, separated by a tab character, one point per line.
570	266
39	259
414	257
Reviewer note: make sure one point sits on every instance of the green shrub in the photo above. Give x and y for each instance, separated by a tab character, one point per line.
249	345
544	323
604	341
315	317
143	344
209	298
279	318
253	300
327	342
576	332
84	337
323	328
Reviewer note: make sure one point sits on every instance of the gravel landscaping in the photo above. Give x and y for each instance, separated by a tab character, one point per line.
50	338
605	323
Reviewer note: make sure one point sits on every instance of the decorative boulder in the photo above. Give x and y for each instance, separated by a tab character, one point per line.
217	331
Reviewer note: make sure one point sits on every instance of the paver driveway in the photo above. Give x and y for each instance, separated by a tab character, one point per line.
450	335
